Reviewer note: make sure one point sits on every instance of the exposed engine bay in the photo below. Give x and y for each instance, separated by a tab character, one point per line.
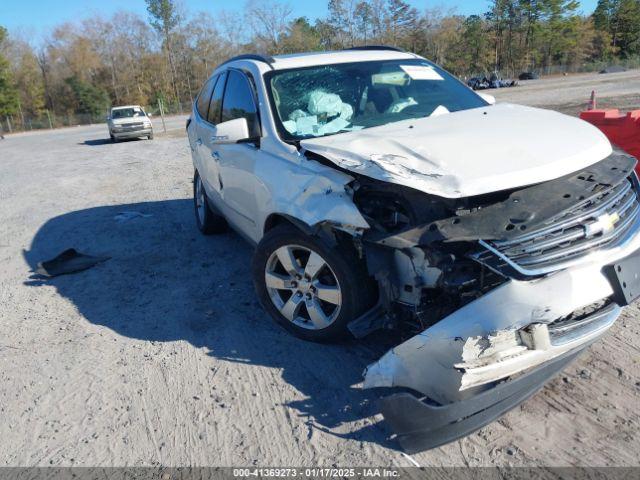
482	292
436	245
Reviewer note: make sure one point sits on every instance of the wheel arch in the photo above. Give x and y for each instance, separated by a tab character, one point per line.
308	198
275	219
330	232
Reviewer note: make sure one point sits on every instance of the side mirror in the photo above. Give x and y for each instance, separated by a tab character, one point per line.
232	131
490	99
149	115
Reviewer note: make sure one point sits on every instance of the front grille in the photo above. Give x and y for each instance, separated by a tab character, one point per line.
597	223
133	125
586	320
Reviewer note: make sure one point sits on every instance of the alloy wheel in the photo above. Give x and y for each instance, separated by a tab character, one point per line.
303	287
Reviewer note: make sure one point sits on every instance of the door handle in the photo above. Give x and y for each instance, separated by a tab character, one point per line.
215	155
199	142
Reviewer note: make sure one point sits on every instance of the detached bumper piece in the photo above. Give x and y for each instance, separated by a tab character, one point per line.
419	426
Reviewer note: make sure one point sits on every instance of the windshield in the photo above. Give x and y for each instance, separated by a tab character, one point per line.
127	112
317	101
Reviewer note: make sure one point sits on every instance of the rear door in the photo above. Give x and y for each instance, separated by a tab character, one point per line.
207	130
199	115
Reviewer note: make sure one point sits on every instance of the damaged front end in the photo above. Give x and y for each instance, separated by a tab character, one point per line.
495	293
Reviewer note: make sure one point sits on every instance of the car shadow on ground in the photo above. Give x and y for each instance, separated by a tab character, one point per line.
96	142
107	141
165	282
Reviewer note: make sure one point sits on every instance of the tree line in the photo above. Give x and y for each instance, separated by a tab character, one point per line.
83	67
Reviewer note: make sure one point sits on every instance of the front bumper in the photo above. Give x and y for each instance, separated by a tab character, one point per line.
503	338
419	426
143	132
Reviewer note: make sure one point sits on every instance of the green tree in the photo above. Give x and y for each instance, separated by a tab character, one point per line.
475	49
363	16
328	34
343	19
604	13
559	30
627	27
301	36
87	98
27	77
8	92
165	18
402	19
531	12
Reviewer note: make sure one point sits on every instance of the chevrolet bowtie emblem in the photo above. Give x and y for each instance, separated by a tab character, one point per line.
603	224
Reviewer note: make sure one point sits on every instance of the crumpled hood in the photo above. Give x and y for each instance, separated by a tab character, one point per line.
470	152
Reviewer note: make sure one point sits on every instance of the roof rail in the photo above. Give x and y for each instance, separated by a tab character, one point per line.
251	56
376	47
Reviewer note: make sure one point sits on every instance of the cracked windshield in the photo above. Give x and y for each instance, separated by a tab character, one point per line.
329	99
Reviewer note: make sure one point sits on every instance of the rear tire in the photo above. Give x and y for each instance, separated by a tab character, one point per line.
150	137
311	289
208	222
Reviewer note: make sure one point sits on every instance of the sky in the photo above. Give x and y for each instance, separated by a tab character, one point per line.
39	16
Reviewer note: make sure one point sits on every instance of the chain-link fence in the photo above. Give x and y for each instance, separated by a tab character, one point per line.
510	73
21	122
629	64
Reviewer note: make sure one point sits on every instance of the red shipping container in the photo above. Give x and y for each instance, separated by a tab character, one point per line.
621	129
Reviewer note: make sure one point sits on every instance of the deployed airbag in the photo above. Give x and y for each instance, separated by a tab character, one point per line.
326	113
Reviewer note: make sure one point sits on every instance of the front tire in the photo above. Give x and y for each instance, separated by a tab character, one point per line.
207	221
309	288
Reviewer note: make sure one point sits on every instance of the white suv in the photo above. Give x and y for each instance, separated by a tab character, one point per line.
382	193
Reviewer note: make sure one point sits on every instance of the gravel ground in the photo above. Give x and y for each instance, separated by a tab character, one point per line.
570	94
162	356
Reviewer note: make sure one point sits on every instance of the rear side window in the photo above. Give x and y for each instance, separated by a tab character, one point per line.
215	106
202	104
239	102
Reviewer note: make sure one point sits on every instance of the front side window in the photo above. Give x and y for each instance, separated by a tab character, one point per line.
324	100
202	104
239	102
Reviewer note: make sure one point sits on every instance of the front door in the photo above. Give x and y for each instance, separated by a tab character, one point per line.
237	161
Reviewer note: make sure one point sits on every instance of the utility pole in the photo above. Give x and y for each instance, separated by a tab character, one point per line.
49	117
164	126
21	113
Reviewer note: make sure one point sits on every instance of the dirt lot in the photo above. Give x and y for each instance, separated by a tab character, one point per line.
161	355
571	94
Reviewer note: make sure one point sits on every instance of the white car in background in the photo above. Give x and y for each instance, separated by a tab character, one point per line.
499	241
129	121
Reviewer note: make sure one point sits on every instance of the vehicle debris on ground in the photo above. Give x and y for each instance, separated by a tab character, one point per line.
492	81
614	69
69	261
528	76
